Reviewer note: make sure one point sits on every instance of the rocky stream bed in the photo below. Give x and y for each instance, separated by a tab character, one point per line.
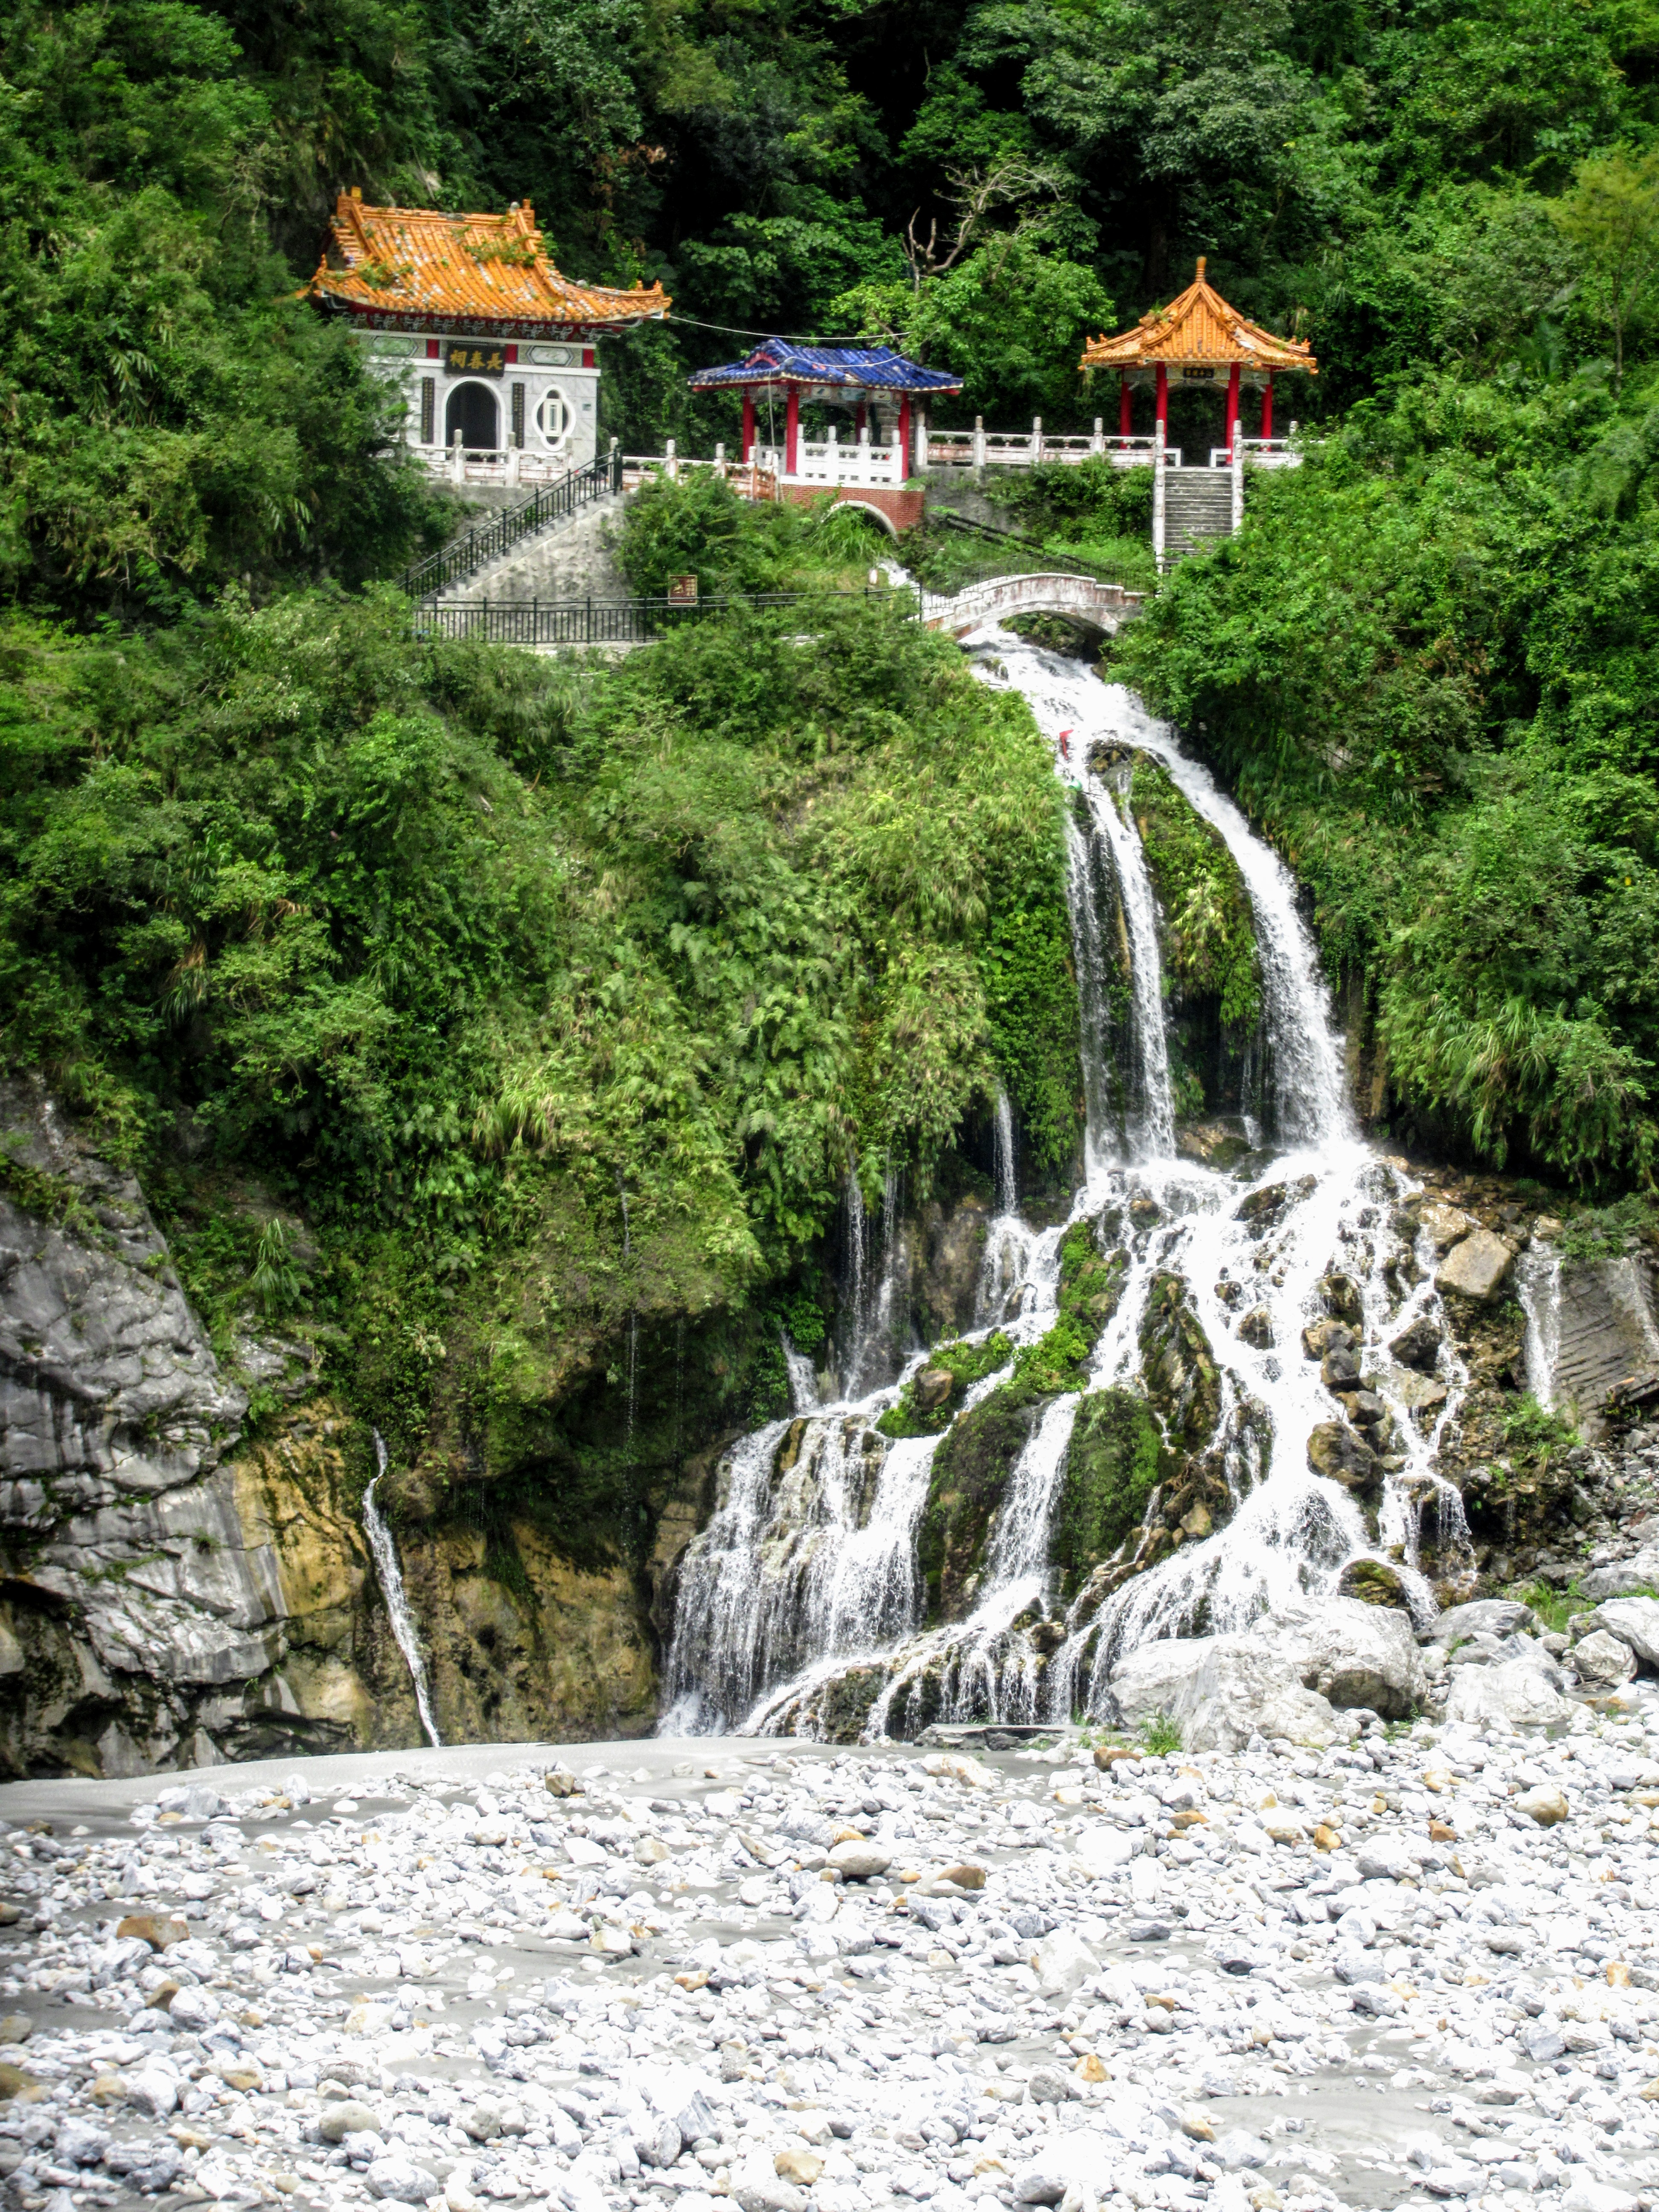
1413	1968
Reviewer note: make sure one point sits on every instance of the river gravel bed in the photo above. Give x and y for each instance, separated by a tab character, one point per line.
1412	1970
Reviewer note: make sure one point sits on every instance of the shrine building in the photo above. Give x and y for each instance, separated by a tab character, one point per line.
1199	339
868	456
493	349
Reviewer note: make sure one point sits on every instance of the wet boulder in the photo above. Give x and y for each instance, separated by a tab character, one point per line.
1419	1345
1265	1209
969	1473
1339	1369
1256	1329
1340	1455
1340	1296
1115	1460
931	1386
1326	1335
1373	1582
1178	1365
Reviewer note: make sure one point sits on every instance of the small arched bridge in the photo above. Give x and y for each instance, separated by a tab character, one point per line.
1080	598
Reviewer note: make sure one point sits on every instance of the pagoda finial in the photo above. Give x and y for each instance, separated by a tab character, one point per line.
1201	265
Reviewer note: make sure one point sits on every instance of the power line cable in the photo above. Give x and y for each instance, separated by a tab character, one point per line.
726	331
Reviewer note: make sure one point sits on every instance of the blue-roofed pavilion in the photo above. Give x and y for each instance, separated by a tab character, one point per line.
867	378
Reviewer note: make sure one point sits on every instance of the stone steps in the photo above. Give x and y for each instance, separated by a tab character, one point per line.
568	560
1198	506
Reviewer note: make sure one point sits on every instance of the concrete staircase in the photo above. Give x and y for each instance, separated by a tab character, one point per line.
570	559
1198	506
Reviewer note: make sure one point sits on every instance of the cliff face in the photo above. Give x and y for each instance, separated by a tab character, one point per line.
184	1578
174	1591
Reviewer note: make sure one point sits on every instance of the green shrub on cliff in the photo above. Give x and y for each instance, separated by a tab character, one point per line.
557	999
1425	666
1115	1458
1209	934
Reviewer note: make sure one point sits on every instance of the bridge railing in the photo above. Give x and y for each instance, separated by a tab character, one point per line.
547	622
980	448
544	624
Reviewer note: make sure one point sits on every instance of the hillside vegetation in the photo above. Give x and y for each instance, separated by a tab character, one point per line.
468	1013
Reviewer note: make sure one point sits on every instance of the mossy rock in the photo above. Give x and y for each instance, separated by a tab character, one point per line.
1178	1365
1373	1582
965	1364
844	1703
970	1471
1115	1460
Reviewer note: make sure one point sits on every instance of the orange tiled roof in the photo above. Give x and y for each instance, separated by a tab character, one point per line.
417	264
1198	328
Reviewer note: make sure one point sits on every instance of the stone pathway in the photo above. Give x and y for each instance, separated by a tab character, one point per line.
1413	1970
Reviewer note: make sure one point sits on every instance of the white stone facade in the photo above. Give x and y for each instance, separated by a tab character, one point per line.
521	410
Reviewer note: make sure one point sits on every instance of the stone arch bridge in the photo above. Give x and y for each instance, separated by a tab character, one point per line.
1079	598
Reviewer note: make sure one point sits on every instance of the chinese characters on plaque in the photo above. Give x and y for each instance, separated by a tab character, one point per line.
474	357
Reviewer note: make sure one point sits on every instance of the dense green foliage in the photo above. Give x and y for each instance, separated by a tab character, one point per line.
1208	936
583	988
1426	665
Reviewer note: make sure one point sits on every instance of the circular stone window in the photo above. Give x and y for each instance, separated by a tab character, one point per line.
553	417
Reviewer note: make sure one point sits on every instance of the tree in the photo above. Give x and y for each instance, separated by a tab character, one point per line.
1611	217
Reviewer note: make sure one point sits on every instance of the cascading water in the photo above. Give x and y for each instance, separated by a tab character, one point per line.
385	1554
1007	1182
808	1578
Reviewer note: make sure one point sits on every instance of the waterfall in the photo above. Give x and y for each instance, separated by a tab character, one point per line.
802	1380
1538	1283
803	1601
392	1587
1007	1185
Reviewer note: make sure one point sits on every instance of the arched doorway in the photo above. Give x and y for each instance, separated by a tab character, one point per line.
472	409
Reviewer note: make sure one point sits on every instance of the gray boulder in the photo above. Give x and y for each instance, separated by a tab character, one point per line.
1516	1694
1354	1654
1603	1662
400	2180
1476	1267
1245	1687
1630	1578
1634	1621
1482	1616
107	1384
1146	1683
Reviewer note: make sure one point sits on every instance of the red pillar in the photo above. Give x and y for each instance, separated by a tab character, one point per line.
791	432
860	418
1232	409
748	423
904	434
1164	397
1267	406
1125	413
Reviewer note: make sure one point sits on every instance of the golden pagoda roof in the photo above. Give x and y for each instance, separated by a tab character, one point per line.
1198	329
413	268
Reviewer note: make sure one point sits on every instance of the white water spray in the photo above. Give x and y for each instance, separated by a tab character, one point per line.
392	1587
808	1575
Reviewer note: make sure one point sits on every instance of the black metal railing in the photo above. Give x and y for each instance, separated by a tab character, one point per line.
487	541
613	622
